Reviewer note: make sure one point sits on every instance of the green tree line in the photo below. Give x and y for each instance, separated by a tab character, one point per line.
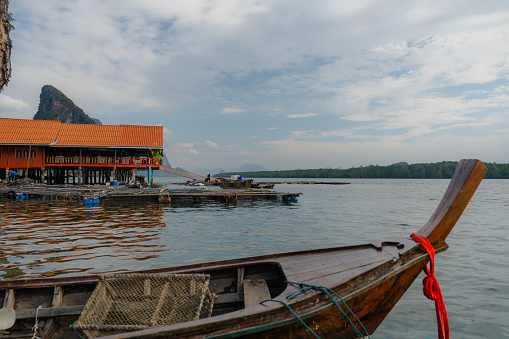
439	170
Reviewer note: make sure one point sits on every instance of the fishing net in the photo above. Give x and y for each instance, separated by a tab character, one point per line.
136	301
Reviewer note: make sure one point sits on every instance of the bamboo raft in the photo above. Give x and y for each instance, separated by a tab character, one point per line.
304	182
196	196
121	194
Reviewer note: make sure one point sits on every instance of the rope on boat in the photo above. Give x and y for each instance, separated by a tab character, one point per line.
431	288
295	314
36	325
303	288
76	330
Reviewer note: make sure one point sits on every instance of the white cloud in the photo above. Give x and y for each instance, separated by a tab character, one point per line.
187	148
384	76
302	115
211	144
11	108
232	110
303	134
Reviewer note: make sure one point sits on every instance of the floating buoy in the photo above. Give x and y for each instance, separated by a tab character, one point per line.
22	196
91	201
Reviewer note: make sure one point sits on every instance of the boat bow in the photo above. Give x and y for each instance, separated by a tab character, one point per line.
467	177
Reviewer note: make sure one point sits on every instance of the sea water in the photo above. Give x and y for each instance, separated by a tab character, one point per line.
54	238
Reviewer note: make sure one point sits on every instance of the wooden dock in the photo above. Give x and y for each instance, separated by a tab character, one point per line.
306	182
196	195
108	194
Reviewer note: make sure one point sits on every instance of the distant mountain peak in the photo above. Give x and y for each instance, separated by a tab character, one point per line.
55	105
402	163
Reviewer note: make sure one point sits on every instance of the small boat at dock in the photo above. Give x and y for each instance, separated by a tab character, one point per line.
339	292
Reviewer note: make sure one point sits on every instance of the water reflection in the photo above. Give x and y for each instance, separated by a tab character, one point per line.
53	238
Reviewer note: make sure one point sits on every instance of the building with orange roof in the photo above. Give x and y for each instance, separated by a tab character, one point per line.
56	153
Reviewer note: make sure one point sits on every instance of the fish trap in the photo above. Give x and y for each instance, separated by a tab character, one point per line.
136	301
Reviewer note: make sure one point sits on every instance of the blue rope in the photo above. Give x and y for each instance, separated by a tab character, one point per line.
295	314
303	288
75	330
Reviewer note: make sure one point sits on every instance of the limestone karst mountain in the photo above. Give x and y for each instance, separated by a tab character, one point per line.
55	105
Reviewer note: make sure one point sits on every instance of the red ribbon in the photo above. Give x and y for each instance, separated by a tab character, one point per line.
431	288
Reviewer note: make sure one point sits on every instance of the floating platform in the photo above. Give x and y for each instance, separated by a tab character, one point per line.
196	196
49	192
107	194
303	183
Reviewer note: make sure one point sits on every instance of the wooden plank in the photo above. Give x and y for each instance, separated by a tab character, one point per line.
333	266
240	278
466	178
226	298
334	278
9	298
49	312
331	260
341	255
255	291
58	297
17	335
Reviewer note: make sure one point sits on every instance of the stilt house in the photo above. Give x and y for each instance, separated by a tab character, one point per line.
56	153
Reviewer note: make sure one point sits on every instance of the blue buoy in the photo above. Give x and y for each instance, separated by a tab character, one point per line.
91	201
22	196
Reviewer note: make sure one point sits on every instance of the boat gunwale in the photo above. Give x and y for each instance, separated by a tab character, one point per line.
388	270
266	259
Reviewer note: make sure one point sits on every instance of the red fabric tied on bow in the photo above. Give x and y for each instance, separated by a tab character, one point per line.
431	288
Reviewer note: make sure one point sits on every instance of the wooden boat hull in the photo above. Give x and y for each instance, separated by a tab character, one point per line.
370	278
373	292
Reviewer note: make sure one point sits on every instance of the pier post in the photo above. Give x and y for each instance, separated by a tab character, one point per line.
80	181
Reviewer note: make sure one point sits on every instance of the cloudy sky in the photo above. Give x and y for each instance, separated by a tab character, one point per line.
285	83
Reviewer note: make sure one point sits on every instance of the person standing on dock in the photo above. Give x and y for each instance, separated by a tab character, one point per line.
207	179
12	176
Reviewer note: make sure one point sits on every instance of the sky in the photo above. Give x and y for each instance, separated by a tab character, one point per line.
284	84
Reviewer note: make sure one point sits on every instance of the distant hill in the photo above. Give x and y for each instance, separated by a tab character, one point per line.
439	170
54	105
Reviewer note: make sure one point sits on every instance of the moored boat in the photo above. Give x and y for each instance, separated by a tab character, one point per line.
270	296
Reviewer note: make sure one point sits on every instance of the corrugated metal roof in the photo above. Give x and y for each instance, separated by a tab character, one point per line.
24	131
18	131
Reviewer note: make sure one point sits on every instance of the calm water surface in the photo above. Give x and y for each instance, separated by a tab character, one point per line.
43	239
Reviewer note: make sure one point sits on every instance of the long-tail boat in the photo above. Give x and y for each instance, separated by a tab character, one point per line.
342	292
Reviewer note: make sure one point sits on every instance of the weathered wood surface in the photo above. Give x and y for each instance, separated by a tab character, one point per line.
371	278
117	194
255	291
466	179
295	266
304	182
